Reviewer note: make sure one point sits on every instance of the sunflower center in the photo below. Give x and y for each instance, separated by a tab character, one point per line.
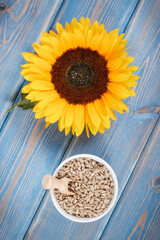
79	74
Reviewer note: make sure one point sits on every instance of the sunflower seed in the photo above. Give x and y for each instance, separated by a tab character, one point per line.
93	186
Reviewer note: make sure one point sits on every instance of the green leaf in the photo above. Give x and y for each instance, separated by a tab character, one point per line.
22	96
24	103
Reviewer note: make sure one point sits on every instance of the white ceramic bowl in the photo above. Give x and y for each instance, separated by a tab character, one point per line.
85	220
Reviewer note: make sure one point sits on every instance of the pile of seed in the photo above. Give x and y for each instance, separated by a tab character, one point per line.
92	184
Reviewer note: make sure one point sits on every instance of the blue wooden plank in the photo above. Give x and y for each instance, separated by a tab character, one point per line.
137	213
121	148
123	144
22	23
114	14
28	153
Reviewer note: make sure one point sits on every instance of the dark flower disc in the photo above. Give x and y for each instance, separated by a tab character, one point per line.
80	75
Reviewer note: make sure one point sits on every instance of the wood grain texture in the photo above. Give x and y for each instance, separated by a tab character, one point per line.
28	149
29	152
121	148
123	144
114	14
21	23
137	213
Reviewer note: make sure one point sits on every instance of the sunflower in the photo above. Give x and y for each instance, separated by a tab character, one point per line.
79	76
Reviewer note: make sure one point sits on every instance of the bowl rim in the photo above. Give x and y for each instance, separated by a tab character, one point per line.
85	220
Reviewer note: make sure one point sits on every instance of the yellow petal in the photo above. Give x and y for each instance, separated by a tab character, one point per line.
25	71
36	109
86	26
127	61
69	116
95	42
73	23
120	37
95	27
73	129
31	95
41	85
115	63
122	44
33	69
82	21
80	128
130	83
57	114
45	34
105	121
89	123
108	42
86	23
61	121
39	114
114	103
71	41
68	27
51	97
42	64
28	56
40	95
45	41
78	114
55	106
56	110
45	53
100	28
100	107
93	114
113	37
37	76
77	26
37	45
119	90
24	66
104	46
118	77
26	88
80	38
47	124
65	41
134	77
57	50
38	67
67	130
54	45
101	129
133	68
88	38
53	34
60	29
87	131
111	113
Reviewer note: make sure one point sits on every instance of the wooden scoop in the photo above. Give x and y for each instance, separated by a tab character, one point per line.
49	182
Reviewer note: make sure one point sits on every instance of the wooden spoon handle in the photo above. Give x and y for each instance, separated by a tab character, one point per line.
49	182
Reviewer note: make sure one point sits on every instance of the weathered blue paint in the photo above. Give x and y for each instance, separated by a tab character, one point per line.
137	214
28	151
21	24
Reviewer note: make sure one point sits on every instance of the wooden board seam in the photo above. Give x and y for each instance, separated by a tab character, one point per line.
141	154
46	192
15	100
